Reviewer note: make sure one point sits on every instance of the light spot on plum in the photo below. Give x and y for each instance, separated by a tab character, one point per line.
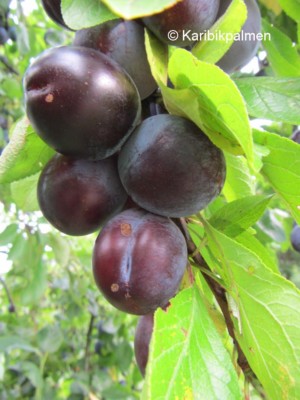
126	229
114	287
49	98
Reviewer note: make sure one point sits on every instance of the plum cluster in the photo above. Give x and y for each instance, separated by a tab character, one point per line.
7	31
123	164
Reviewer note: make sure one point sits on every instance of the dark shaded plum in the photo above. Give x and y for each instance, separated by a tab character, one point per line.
241	52
188	15
3	35
296	136
124	42
295	238
3	122
169	167
142	340
78	196
53	10
153	105
130	204
12	33
81	102
138	261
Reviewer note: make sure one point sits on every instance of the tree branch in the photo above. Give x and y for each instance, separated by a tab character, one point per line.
88	342
12	307
9	67
218	291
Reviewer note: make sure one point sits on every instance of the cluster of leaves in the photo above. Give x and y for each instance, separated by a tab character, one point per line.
46	345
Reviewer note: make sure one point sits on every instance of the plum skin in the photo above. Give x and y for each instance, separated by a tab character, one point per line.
142	338
123	41
138	261
295	238
169	167
80	102
296	136
240	53
78	196
193	15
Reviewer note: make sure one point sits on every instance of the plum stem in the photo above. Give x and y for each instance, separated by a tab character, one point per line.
7	65
12	306
88	343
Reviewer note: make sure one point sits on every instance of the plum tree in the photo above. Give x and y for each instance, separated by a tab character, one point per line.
138	261
53	10
169	166
295	238
142	340
241	52
78	196
81	102
123	41
192	16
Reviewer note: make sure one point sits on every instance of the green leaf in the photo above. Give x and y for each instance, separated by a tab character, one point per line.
239	215
19	249
157	53
12	88
282	168
230	23
61	248
239	182
138	8
123	355
24	193
272	5
50	339
33	373
282	54
266	315
277	99
187	356
292	8
36	285
11	342
8	235
207	96
251	242
25	154
79	14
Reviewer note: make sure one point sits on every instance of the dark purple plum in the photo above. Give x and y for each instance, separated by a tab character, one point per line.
295	238
170	167
241	52
138	261
78	196
81	102
296	136
53	10
192	16
142	340
124	42
4	36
